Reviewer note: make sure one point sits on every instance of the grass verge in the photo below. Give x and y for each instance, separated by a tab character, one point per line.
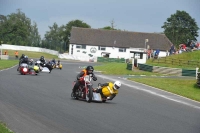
4	129
120	69
7	63
182	87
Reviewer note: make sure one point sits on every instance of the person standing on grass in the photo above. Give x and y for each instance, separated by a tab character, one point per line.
6	52
16	54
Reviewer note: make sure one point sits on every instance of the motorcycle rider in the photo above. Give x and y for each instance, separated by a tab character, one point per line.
89	70
108	90
25	60
58	63
45	64
31	62
54	61
43	61
22	57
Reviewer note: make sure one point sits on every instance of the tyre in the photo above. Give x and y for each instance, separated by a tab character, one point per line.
89	94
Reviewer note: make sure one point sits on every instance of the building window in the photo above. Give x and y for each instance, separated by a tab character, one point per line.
81	46
102	48
122	49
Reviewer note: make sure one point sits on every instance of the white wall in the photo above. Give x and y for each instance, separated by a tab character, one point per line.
114	51
28	48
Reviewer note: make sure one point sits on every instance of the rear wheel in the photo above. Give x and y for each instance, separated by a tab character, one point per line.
89	94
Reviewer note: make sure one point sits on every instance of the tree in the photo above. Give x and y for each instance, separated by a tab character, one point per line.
180	27
34	36
108	28
16	29
58	37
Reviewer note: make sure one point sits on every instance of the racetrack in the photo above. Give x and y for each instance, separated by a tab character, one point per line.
42	104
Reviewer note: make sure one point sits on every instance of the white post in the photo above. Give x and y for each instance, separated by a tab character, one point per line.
197	72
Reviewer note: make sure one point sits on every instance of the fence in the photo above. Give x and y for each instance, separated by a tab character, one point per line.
180	62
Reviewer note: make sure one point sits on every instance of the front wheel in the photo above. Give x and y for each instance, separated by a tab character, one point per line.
89	94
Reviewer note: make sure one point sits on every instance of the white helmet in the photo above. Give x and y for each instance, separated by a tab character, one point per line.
117	85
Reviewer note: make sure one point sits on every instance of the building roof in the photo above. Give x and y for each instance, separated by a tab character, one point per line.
117	38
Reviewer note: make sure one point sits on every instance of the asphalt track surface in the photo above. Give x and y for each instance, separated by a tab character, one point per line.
42	104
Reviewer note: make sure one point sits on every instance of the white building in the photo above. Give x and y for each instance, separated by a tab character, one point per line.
87	42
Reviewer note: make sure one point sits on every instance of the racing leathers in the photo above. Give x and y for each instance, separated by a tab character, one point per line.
107	90
82	74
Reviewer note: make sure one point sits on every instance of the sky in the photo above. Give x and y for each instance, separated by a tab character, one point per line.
130	15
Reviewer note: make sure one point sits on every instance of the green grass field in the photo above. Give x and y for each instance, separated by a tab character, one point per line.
7	63
182	87
4	129
120	69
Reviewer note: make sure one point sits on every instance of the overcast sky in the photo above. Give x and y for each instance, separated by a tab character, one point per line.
130	15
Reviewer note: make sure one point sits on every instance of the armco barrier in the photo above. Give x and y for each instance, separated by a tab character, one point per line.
145	67
186	72
129	66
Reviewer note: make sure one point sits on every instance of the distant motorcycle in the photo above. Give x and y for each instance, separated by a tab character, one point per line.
59	66
24	69
42	65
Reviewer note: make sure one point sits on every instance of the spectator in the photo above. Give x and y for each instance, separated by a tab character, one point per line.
148	53
198	45
182	48
192	46
157	53
167	53
6	52
16	54
172	49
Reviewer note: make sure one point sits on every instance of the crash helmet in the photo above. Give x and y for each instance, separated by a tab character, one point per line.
31	60
42	58
23	55
117	85
53	59
58	60
90	69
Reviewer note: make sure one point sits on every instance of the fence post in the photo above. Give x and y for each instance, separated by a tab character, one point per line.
197	69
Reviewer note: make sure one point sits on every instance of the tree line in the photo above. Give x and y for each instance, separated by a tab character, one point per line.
18	29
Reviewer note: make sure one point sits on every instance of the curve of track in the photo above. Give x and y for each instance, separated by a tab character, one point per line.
42	104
